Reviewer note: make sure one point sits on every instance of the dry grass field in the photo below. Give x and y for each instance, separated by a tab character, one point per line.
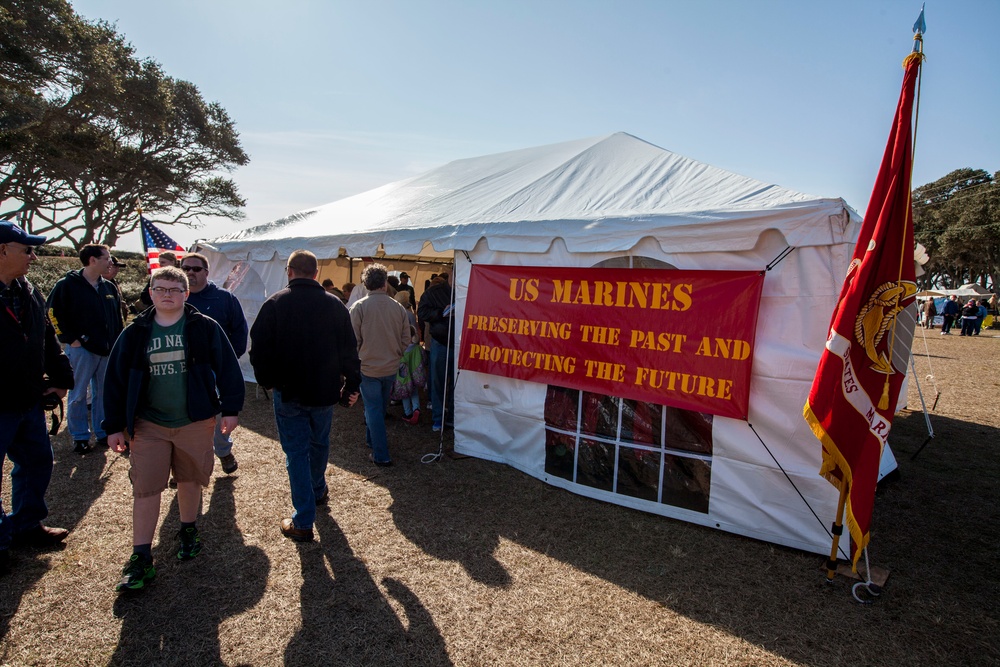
466	562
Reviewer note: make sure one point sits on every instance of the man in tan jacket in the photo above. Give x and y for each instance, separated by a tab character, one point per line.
383	332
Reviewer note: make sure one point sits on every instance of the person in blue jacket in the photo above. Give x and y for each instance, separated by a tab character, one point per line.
223	307
170	373
951	311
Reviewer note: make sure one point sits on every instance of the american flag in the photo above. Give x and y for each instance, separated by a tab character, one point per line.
155	241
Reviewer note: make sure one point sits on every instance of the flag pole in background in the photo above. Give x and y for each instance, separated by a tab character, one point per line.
856	388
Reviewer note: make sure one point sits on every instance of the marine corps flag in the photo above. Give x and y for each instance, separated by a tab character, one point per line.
853	396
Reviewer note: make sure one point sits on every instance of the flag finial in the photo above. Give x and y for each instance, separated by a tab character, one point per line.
919	28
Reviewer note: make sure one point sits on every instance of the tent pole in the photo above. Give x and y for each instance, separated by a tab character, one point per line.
838	528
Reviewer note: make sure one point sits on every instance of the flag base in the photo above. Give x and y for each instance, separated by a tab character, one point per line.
879	575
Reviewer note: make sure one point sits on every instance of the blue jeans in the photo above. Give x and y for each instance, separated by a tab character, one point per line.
24	439
441	372
221	442
411	403
304	432
375	394
88	371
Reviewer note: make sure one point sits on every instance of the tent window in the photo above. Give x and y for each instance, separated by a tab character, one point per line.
642	450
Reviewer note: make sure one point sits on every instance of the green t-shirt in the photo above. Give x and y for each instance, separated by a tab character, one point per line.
165	402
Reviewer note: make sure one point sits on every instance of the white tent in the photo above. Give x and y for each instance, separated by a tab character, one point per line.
611	201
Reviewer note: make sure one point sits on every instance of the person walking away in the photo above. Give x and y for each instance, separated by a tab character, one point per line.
383	333
86	314
170	373
34	366
980	316
412	373
303	349
970	313
223	307
951	310
930	311
434	311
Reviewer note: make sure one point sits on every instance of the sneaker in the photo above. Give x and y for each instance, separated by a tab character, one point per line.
436	426
289	530
81	446
190	543
413	419
229	464
136	574
173	482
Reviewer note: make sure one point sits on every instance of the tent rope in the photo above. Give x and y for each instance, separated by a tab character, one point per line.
781	255
806	502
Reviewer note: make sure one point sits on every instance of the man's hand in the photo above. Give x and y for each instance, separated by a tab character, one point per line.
58	391
117	442
75	343
353	398
229	424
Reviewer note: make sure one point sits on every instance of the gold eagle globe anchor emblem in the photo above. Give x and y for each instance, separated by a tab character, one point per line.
875	318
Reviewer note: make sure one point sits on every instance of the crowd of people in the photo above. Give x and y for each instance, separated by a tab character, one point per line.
166	389
968	318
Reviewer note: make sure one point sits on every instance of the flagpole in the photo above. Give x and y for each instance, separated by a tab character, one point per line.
838	529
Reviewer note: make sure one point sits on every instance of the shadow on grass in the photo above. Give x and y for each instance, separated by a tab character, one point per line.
77	482
937	528
346	619
176	620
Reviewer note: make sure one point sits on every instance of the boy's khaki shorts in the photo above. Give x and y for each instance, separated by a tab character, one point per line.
155	450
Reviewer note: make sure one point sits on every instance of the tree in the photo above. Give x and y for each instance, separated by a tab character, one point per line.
957	218
88	131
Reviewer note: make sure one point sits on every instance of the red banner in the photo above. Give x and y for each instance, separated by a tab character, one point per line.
678	338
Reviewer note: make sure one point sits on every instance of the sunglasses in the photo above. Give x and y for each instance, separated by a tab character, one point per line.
27	250
195	269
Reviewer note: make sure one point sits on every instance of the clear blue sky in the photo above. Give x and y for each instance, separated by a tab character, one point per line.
332	98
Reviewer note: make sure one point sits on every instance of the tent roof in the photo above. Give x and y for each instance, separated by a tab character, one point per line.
598	194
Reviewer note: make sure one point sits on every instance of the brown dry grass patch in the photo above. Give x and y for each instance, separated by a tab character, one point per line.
468	562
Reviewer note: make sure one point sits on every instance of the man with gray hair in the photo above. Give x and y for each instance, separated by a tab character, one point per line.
383	333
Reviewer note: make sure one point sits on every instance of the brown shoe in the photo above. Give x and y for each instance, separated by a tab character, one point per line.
40	537
289	530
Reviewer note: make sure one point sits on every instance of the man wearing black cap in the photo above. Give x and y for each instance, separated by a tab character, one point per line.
34	365
111	275
404	284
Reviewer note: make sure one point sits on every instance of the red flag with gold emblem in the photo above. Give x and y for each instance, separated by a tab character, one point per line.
854	394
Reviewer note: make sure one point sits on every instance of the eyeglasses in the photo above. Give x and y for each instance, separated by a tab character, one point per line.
172	291
195	269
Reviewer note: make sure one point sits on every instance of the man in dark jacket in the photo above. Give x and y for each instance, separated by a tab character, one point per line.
302	347
225	309
435	312
951	311
171	372
86	313
34	365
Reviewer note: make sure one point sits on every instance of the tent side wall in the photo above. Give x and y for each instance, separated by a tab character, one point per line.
503	420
